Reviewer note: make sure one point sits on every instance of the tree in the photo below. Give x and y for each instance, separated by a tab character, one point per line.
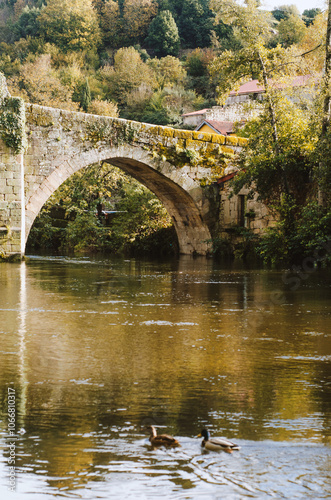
168	71
313	44
200	80
284	11
137	15
309	15
85	99
195	23
282	150
111	23
166	106
291	30
324	170
39	83
71	26
226	38
263	169
127	74
28	23
136	102
163	35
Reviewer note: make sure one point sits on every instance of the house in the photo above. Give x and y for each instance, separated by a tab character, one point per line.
216	127
254	90
251	90
237	108
193	119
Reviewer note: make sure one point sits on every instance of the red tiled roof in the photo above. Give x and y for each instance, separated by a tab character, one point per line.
225	178
199	112
253	86
250	87
223	128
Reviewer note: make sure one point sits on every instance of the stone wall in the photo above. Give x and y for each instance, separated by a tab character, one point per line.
239	211
237	112
10	201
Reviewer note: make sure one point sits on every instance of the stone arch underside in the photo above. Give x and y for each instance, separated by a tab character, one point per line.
192	232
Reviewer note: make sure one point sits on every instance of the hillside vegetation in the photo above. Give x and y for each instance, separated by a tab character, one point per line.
145	60
153	60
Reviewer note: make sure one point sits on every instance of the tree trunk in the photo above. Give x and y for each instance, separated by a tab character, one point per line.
322	194
273	121
327	99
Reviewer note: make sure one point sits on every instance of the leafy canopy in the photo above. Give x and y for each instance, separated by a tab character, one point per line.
277	161
70	25
163	35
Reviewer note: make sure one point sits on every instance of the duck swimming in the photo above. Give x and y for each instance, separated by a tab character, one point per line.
162	439
217	444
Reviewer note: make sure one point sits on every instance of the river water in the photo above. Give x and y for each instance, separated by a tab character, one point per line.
93	350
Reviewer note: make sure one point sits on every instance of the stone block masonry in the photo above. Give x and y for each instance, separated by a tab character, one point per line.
10	202
179	166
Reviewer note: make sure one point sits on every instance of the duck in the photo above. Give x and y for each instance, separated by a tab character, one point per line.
217	444
162	439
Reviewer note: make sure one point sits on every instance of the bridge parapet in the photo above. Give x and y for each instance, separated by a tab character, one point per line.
182	146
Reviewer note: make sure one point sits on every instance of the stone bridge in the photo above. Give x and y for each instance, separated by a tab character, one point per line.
45	146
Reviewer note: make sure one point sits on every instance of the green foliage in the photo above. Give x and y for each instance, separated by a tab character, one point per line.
278	159
166	106
285	11
85	233
85	99
226	36
222	248
163	35
309	15
309	238
199	78
322	171
252	60
38	83
155	111
141	224
313	229
128	73
45	235
140	216
195	23
12	124
168	71
267	171
291	30
28	23
70	25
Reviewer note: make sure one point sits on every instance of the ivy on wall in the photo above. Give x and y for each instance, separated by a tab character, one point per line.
12	119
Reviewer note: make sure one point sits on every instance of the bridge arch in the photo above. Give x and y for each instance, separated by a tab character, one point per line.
177	165
192	232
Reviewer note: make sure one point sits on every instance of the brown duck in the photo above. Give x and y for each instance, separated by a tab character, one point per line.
162	439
